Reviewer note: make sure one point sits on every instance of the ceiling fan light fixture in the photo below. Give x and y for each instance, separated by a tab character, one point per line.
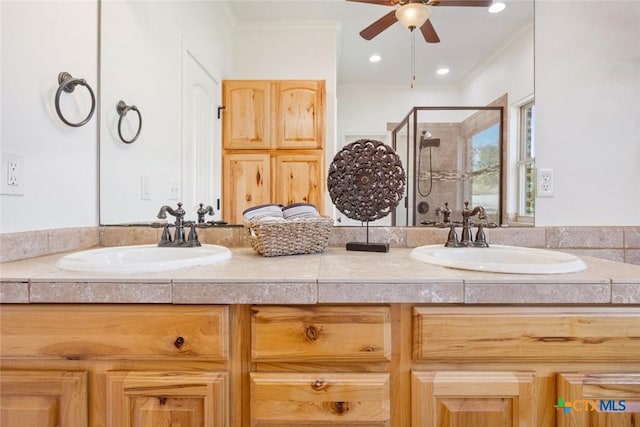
413	15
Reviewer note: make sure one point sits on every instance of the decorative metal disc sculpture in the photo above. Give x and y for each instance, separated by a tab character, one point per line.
366	181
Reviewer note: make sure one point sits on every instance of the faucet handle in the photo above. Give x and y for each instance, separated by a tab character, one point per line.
446	213
192	239
165	238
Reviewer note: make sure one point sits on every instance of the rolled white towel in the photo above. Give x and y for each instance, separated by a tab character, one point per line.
300	210
261	211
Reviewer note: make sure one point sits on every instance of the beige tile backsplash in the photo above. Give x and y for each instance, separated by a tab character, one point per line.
612	243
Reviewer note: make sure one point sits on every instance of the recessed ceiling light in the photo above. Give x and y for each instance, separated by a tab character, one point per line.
497	7
442	71
375	58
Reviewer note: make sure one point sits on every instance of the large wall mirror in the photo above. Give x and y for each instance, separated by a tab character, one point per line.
168	59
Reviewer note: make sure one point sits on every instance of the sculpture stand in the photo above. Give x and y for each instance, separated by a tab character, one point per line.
366	181
367	246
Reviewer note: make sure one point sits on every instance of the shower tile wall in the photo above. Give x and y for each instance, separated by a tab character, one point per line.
446	161
451	163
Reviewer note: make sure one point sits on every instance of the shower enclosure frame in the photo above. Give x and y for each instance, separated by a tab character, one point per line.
410	121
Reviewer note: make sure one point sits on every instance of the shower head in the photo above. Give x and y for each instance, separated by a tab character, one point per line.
429	142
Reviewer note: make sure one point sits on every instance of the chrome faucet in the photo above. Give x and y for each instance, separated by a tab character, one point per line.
467	213
202	211
179	237
446	213
467	240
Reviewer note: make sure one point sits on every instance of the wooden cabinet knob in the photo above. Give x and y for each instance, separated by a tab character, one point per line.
178	342
248	197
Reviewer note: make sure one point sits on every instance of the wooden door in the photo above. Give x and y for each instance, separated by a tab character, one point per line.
167	399
246	183
43	398
299	178
300	112
247	114
597	399
479	399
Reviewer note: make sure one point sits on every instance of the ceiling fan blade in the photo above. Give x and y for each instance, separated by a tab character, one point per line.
379	26
429	33
473	3
380	2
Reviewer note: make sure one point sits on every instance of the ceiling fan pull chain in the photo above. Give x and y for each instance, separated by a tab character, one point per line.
413	57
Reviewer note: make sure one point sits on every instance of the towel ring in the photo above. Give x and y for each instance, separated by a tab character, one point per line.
123	109
68	84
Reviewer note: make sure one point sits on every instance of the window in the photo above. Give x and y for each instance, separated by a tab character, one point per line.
526	163
485	169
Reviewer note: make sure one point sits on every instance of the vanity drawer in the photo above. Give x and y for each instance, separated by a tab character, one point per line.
114	332
309	398
526	334
320	333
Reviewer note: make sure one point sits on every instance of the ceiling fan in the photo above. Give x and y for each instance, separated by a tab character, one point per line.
413	14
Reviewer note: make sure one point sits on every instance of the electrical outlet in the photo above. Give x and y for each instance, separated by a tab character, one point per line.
544	181
12	174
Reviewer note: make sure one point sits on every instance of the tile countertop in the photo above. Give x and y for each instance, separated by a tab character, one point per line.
335	276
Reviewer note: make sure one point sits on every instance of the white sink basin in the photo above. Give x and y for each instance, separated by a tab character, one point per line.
141	259
500	259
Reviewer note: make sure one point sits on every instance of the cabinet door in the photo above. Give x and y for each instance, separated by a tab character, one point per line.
479	399
300	114
167	399
308	399
246	183
43	398
597	399
299	178
246	120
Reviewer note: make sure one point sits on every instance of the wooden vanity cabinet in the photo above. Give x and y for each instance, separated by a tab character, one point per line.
599	399
397	365
316	365
157	398
114	365
512	366
473	398
43	398
273	144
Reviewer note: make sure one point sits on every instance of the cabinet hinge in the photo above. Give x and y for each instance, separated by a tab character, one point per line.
220	108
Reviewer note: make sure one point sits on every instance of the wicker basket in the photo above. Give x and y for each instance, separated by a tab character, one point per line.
289	237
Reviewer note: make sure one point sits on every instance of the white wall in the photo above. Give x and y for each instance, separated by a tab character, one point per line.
510	71
283	51
363	109
40	40
588	111
142	50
